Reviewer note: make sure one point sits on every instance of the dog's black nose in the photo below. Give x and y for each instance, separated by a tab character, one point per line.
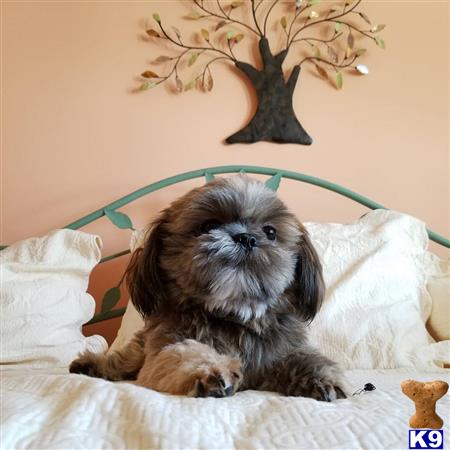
248	241
229	391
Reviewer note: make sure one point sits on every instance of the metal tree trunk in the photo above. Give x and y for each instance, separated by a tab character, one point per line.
275	119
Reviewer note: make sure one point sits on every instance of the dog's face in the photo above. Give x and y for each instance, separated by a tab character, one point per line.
231	247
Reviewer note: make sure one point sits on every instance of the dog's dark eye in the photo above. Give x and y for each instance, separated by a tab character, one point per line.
271	233
210	225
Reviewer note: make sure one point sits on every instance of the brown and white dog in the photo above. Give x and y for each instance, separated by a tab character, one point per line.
227	281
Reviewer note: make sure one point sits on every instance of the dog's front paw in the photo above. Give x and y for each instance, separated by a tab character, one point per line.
324	390
218	383
85	365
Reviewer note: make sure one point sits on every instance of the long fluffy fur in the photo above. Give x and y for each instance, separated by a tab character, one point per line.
220	316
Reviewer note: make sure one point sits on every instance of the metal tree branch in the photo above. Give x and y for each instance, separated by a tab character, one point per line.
209	63
230	48
224	16
252	73
207	69
190	47
296	15
353	27
267	16
174	68
317	22
280	57
330	63
292	80
324	41
254	17
258	5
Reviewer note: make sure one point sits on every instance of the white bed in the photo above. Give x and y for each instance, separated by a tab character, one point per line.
51	410
44	302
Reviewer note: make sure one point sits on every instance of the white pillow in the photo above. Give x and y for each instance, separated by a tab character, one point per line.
376	303
131	320
439	289
44	300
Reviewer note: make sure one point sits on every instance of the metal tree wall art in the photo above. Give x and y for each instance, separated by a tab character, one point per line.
329	33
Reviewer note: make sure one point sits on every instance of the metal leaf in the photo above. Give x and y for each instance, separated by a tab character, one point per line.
221	24
110	299
205	34
334	8
178	84
147	85
377	28
177	31
321	71
189	86
339	80
350	40
149	74
313	15
333	55
208	85
119	219
283	22
337	27
365	17
194	15
316	51
360	52
209	176
273	183
156	17
380	43
362	69
163	58
153	33
192	59
230	34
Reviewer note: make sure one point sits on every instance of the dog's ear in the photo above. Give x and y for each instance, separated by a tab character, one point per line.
144	276
309	287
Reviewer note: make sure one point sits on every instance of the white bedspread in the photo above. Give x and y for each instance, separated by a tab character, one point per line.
47	411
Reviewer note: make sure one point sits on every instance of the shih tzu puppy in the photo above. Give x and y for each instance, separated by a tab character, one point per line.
227	282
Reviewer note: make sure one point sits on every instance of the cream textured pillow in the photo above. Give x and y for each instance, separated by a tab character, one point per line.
376	304
43	299
374	314
439	289
131	320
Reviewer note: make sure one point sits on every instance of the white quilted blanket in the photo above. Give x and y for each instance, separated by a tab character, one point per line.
49	411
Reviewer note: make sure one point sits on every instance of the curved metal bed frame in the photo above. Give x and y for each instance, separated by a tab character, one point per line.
123	221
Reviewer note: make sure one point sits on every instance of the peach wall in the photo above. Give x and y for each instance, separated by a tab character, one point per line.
75	136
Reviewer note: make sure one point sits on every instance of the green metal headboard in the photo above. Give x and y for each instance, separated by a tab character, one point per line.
123	221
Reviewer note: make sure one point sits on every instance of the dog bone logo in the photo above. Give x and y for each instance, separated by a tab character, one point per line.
425	396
